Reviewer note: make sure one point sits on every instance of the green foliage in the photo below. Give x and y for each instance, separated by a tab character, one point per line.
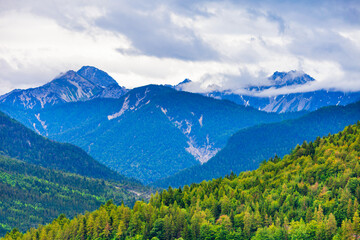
310	194
32	195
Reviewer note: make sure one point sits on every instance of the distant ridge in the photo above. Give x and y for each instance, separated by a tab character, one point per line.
281	103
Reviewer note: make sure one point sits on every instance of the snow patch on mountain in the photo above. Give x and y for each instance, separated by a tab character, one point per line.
80	92
140	99
123	109
164	110
25	100
43	123
202	153
37	131
187	131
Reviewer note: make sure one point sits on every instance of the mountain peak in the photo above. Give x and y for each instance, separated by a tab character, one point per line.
69	75
180	85
185	81
96	76
85	84
282	79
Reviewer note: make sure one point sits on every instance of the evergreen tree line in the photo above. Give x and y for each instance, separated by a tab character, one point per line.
312	193
32	195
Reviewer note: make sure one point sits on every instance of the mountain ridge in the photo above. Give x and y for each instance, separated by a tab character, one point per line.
85	84
281	103
21	143
188	128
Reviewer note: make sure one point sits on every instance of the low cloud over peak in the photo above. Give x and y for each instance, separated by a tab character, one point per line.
278	83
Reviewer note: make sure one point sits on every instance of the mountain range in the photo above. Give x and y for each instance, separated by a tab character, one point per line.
281	103
149	133
153	132
164	136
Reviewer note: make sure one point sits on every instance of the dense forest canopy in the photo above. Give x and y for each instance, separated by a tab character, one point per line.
32	195
312	193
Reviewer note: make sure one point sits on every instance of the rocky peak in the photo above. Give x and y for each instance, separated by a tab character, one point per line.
96	76
282	79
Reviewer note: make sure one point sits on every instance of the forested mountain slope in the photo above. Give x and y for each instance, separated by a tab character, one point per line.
149	133
248	147
19	142
32	195
313	193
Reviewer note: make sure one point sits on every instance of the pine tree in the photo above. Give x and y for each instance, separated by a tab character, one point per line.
356	224
331	226
247	224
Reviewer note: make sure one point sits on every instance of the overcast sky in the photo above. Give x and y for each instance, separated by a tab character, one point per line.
227	44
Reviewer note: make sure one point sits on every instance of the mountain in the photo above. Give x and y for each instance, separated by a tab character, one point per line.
282	79
19	142
292	102
96	76
149	133
313	193
87	83
32	195
248	147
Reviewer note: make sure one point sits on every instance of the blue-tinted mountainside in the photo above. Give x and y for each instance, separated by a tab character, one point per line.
292	102
85	84
96	76
248	147
19	142
308	101
149	133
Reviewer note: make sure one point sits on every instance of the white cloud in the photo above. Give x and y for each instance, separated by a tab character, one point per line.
221	44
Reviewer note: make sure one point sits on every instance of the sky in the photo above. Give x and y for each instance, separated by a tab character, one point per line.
220	45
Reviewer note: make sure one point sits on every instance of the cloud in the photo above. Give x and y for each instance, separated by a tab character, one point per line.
237	81
217	44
